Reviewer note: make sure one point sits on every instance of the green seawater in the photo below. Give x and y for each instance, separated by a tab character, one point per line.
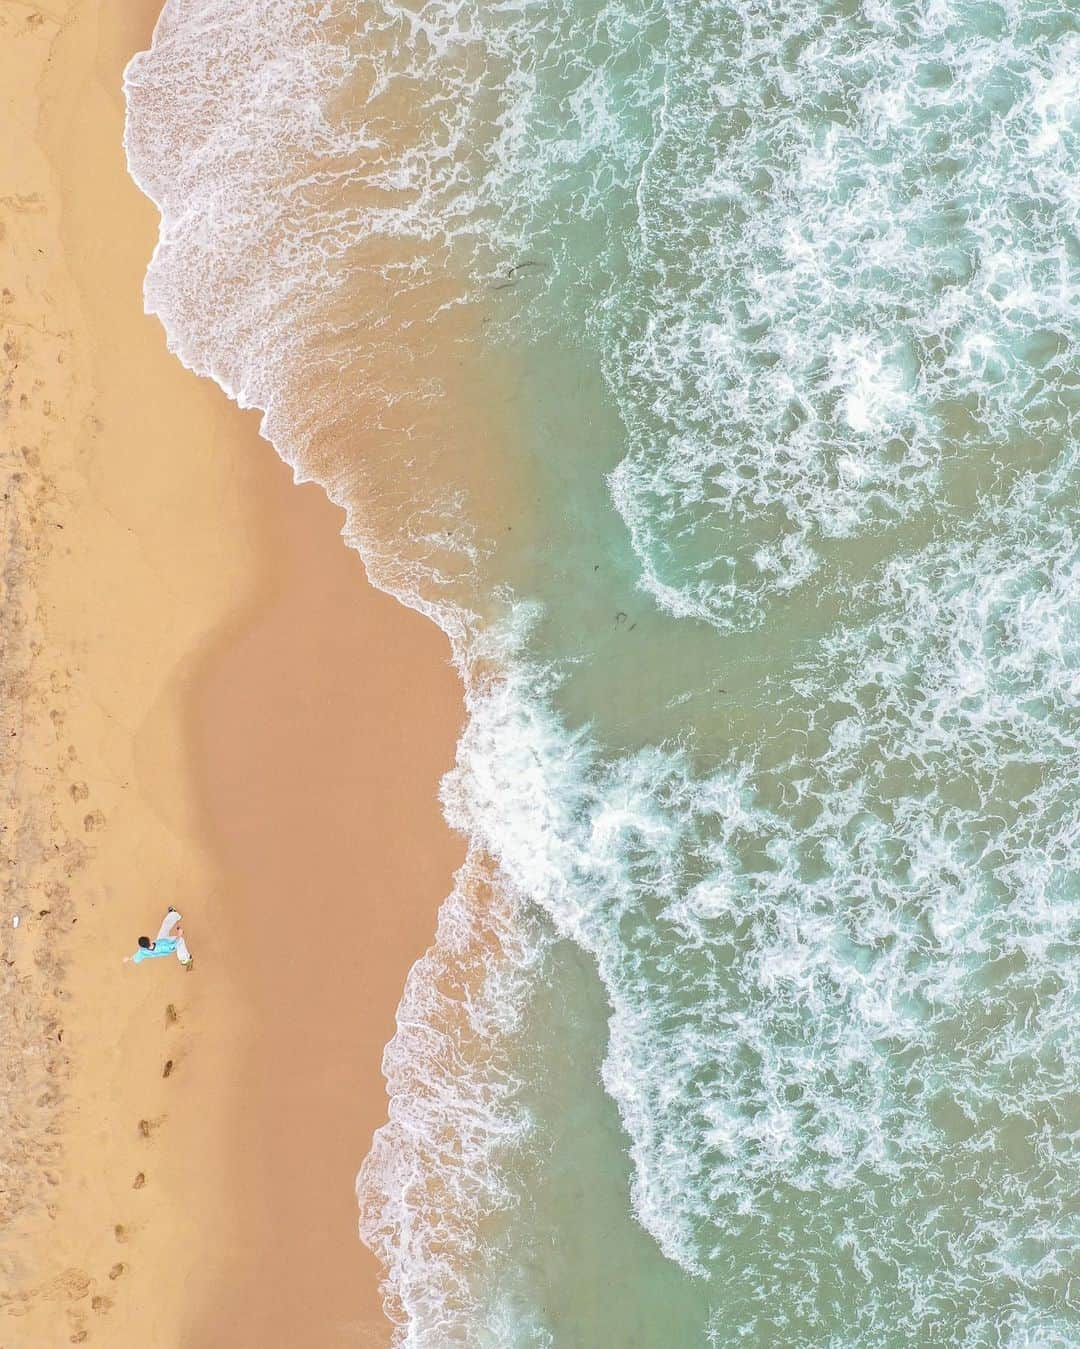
710	372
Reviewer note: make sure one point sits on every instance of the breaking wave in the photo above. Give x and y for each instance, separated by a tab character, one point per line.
764	316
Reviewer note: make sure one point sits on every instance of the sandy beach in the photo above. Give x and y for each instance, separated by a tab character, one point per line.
205	704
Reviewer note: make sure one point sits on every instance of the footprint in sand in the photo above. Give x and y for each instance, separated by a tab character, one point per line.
140	1181
79	791
120	1232
95	820
117	1269
79	1336
147	1126
172	1016
101	1303
167	1069
69	1286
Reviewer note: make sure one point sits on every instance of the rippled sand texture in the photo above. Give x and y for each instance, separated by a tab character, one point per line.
96	619
44	825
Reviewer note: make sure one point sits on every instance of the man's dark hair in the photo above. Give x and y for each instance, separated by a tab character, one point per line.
145	943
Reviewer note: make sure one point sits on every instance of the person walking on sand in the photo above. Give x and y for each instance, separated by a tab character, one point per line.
170	938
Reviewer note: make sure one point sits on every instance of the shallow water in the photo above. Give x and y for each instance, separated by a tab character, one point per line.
709	372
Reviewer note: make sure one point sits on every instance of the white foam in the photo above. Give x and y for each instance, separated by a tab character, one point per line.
854	249
433	1174
236	130
810	1039
837	973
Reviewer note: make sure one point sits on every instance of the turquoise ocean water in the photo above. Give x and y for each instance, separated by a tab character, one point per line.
709	371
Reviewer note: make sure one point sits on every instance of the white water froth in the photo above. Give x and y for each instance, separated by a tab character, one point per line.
851	973
236	131
841	964
432	1175
852	260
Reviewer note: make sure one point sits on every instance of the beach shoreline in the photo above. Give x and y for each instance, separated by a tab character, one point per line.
171	1134
320	726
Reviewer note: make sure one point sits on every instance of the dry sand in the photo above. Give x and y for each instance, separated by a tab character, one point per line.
203	704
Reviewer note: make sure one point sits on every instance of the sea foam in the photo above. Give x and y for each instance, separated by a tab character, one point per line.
823	263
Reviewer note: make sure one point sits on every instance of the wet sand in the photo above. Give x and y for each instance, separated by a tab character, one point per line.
321	725
205	705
